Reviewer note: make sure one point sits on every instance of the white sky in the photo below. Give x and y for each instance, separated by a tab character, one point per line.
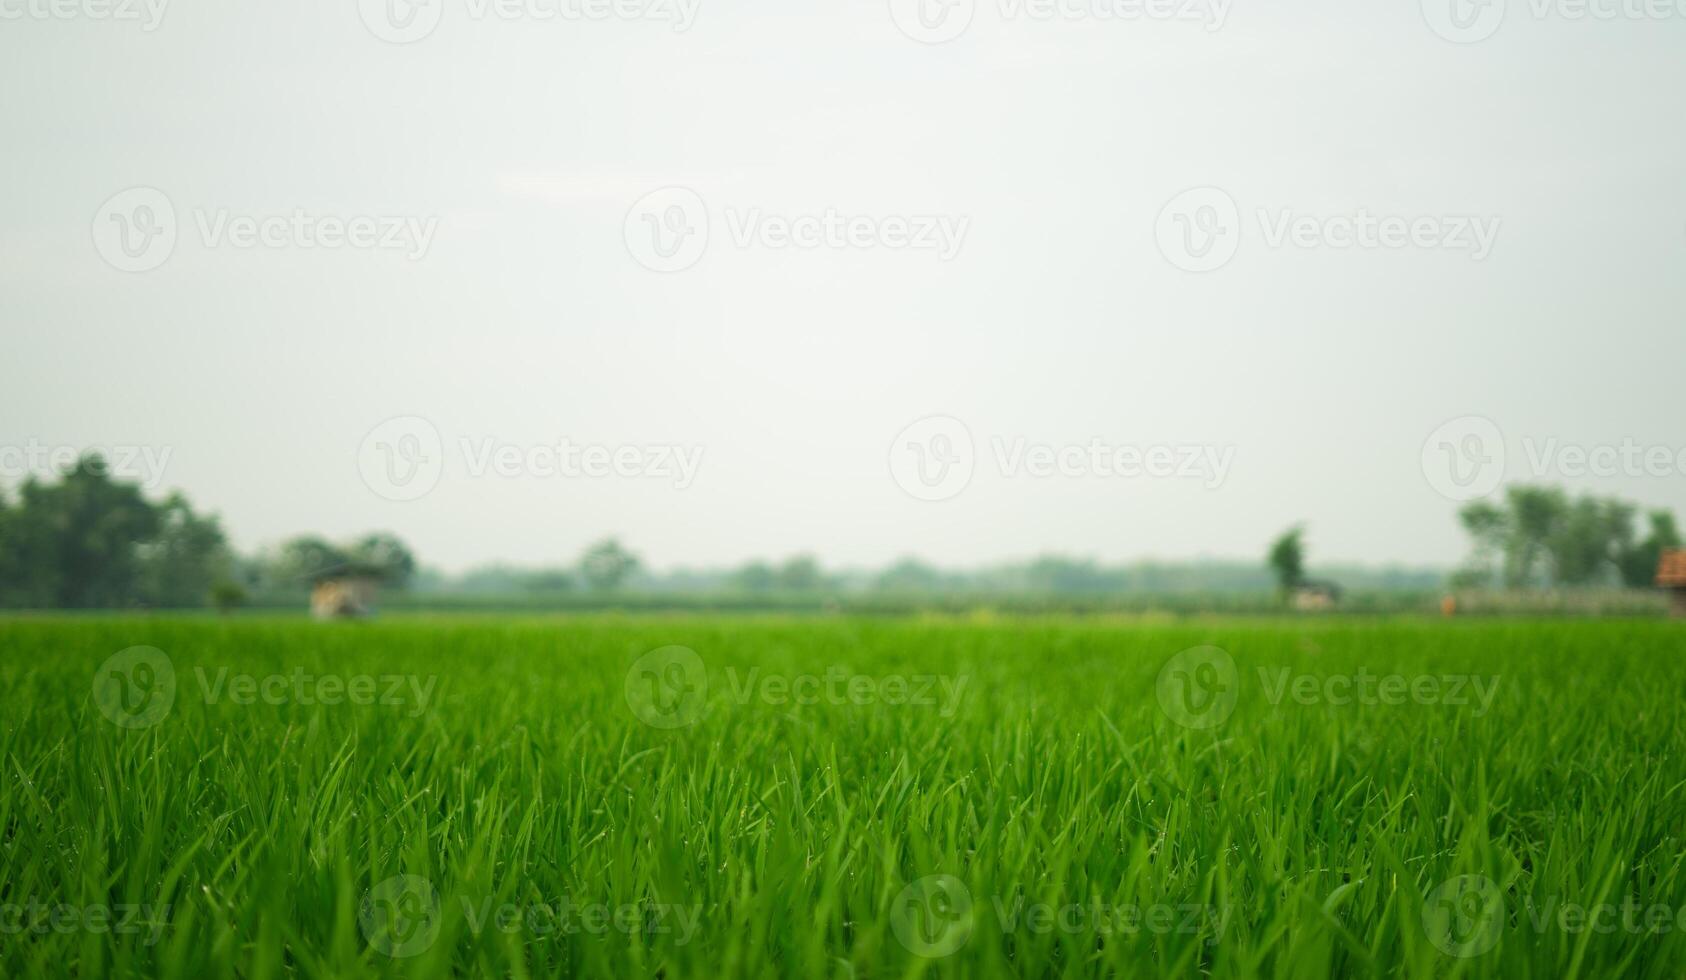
528	321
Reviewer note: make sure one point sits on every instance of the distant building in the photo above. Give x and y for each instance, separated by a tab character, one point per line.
1671	575
344	592
1315	597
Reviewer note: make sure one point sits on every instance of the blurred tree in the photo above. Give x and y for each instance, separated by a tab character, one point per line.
1051	573
1287	559
548	580
801	574
1489	526
227	596
909	575
606	565
757	576
10	576
75	544
1540	536
387	556
1639	565
305	557
1536	515
185	558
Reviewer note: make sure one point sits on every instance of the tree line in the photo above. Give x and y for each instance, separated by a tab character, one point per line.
1539	536
90	541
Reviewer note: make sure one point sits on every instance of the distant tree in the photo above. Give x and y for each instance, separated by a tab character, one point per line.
185	558
909	575
306	556
227	596
757	576
1639	566
1489	526
75	544
1536	514
1287	559
1588	542
1068	576
548	581
387	556
10	576
1538	535
801	574
606	565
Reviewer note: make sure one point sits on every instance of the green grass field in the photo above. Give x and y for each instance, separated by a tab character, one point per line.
724	797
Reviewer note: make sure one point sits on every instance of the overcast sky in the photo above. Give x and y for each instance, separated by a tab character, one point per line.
247	238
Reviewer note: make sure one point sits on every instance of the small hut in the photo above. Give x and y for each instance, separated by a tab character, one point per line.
1671	575
345	591
1316	597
